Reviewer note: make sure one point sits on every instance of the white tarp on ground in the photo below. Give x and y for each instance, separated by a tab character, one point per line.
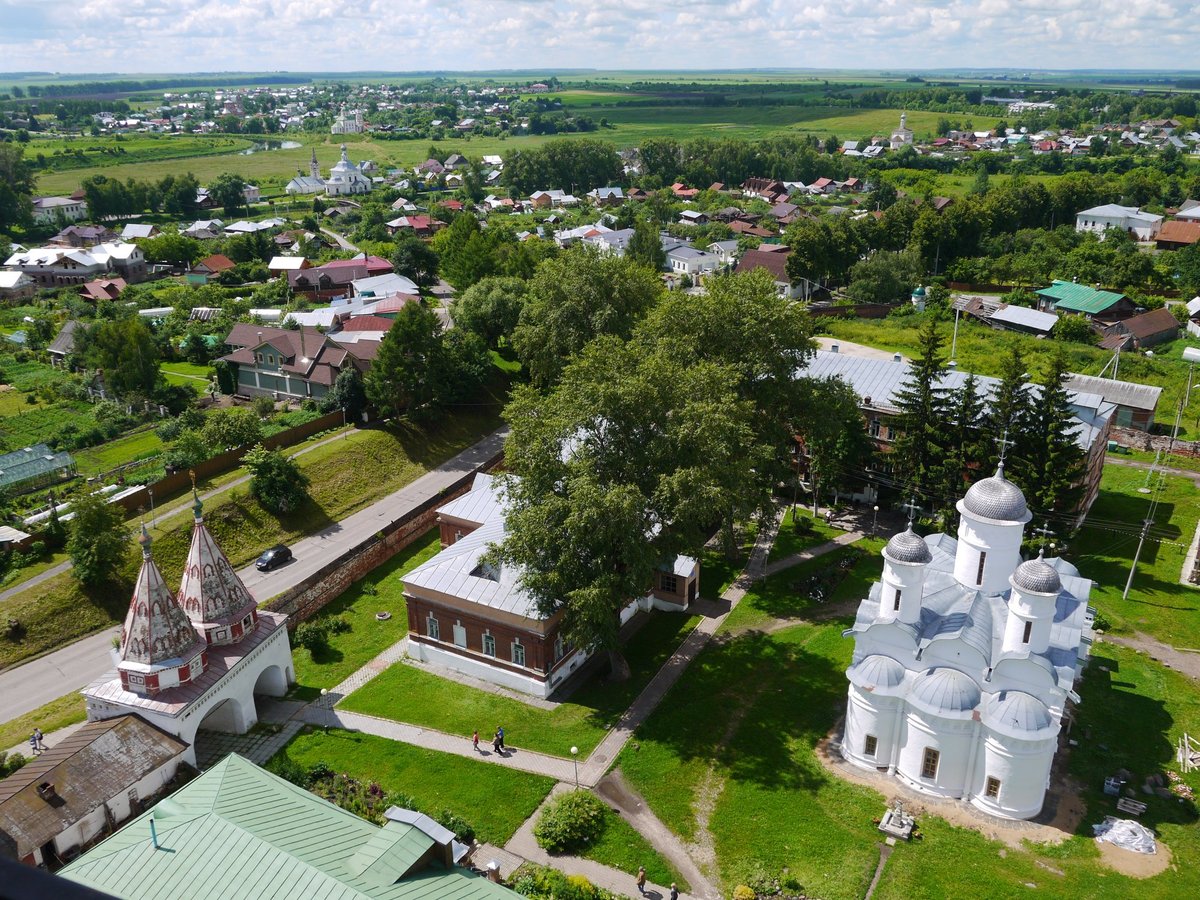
1126	833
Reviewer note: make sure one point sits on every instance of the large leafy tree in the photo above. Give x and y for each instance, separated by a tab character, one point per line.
228	428
575	297
741	324
16	185
645	246
124	349
276	480
98	542
920	452
400	379
620	467
347	393
834	433
491	308
229	190
415	259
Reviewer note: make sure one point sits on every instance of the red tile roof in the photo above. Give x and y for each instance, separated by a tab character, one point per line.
774	262
217	263
1176	232
368	323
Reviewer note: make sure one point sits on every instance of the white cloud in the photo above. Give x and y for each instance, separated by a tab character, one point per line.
347	35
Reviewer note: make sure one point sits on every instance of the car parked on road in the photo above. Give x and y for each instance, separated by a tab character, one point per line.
270	559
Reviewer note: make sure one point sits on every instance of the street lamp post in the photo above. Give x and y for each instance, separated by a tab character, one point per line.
875	521
575	760
150	494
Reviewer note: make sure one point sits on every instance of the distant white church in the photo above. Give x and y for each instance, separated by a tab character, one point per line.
348	122
345	179
965	658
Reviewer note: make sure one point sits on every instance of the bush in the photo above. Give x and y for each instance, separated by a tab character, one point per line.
542	883
570	822
312	635
463	830
743	892
264	407
9	763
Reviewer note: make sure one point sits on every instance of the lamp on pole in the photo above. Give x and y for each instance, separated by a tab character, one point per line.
150	494
575	760
875	521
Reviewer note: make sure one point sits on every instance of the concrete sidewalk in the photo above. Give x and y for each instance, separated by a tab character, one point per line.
842	540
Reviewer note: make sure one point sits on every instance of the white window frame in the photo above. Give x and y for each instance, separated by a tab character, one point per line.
518	650
432	628
489	644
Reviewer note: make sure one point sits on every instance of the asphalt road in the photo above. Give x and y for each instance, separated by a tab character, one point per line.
25	688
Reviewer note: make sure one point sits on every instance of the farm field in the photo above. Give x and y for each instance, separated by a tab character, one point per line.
273	168
84	151
126	449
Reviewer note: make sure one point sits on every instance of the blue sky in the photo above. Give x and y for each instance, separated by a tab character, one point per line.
145	36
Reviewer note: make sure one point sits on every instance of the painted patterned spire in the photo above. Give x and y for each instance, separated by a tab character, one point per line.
156	630
211	593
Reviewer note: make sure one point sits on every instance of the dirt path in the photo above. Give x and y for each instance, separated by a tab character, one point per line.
616	791
1180	660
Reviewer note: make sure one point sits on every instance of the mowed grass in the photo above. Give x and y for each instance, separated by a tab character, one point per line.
381	591
739	732
495	800
621	847
800	531
1103	551
54	715
408	694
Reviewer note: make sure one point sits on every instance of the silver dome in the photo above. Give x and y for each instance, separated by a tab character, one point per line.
1038	577
996	498
1016	711
876	671
945	690
908	547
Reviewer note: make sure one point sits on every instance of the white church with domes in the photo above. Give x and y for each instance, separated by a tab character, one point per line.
965	659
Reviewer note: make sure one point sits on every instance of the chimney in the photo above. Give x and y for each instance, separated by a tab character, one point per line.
45	790
896	357
833	348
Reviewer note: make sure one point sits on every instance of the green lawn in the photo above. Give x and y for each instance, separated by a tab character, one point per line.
54	715
811	533
775	809
407	694
622	847
493	799
367	637
1103	551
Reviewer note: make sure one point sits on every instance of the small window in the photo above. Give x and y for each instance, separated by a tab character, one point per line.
870	745
929	765
1028	633
248	621
896	602
979	574
220	634
489	645
668	583
136	679
458	536
258	356
432	629
460	635
992	791
518	653
559	649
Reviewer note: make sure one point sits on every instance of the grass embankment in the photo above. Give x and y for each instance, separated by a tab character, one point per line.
381	591
407	694
54	715
345	476
493	799
1104	548
982	350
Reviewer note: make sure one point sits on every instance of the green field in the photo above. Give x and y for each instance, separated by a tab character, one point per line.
81	152
130	448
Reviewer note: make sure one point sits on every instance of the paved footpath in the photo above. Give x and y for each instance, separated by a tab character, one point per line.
25	688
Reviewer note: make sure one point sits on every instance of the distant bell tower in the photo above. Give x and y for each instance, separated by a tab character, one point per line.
313	169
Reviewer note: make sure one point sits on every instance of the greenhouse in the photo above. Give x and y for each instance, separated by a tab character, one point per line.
33	467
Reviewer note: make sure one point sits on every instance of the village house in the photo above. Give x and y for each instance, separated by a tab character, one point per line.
1147	329
293	364
136	231
1177	234
693	217
102	289
16	286
48	210
421	226
1135	403
57	266
607	196
280	265
1095	304
210	267
775	262
472	615
82	236
685	260
1139	225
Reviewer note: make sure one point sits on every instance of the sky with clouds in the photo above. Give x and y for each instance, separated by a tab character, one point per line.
144	36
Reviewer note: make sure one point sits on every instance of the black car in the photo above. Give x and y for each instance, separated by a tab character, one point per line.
276	556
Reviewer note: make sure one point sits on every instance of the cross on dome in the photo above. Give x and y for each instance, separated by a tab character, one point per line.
1003	443
913	509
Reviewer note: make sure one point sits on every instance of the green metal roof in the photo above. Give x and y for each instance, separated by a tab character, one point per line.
240	833
1068	295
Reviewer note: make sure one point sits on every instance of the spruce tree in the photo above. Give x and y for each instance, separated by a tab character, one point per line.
920	453
1054	461
966	446
1008	416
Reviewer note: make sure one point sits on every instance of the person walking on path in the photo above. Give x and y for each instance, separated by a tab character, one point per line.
500	734
496	742
641	880
475	740
33	744
674	892
41	743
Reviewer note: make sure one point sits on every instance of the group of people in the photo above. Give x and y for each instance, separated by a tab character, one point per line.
36	743
497	740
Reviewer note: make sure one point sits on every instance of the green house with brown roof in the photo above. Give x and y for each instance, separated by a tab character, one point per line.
240	833
1079	299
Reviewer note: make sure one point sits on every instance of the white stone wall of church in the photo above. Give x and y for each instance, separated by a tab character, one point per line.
1001	543
1023	770
952	738
910	579
867	714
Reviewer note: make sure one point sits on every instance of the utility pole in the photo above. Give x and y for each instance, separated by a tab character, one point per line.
1146	523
